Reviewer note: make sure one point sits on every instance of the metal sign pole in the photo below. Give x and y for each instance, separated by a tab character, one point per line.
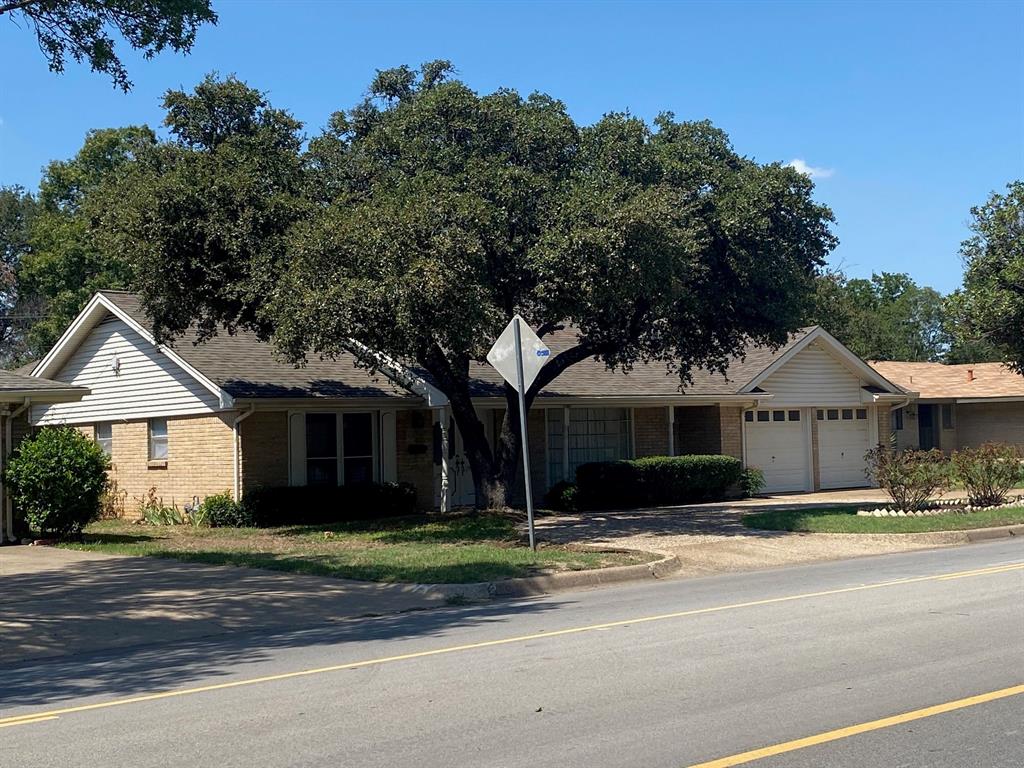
522	431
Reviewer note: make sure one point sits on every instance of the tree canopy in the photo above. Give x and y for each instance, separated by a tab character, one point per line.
989	310
83	29
423	217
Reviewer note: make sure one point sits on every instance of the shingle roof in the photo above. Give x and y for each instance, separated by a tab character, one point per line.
939	381
247	368
12	381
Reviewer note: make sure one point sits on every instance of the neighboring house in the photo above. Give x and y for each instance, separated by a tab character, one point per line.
18	393
958	405
228	415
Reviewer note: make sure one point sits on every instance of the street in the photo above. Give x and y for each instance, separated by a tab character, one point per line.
671	673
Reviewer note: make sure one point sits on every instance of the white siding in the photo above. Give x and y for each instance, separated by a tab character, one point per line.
147	383
813	377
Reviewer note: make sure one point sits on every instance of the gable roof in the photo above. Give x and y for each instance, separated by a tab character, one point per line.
967	381
17	386
241	367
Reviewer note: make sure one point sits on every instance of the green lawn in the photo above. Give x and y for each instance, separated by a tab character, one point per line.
423	550
846	520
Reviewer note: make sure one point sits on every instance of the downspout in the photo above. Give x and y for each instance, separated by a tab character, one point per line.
236	444
7	526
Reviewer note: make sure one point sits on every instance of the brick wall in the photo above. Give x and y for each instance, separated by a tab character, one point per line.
650	428
264	449
885	426
698	430
414	441
731	430
199	460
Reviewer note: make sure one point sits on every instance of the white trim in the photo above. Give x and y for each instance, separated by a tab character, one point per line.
807	414
672	429
236	451
846	356
400	374
88	318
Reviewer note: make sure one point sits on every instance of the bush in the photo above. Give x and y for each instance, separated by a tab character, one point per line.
911	478
752	481
562	496
222	511
656	480
988	472
56	480
316	505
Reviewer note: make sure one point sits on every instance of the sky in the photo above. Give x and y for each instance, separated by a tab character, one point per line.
905	114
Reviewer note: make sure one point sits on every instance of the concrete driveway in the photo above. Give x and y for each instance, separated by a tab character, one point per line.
55	602
709	538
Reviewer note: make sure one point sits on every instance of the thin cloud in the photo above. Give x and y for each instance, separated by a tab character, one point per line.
801	166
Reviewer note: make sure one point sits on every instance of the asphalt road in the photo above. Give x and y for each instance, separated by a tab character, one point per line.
671	673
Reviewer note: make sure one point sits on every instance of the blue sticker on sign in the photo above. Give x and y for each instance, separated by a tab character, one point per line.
543	352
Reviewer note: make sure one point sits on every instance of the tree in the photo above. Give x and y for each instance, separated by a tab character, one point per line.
82	29
990	307
17	211
421	219
65	264
888	317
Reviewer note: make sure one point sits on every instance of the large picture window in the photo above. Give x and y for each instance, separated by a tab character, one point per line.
593	434
339	448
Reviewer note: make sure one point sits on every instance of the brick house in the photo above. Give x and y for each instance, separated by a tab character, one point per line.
227	415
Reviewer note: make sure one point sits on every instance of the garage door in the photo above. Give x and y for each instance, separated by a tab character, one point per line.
842	442
776	444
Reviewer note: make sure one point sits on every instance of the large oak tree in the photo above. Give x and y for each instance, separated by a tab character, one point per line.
424	217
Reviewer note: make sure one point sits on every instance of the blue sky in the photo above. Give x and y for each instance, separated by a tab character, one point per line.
910	112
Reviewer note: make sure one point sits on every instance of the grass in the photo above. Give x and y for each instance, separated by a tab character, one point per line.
846	520
420	549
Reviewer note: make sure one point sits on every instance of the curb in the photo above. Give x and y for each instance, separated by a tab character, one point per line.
540	585
1003	532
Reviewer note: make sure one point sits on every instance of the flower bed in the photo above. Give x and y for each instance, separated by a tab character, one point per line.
942	507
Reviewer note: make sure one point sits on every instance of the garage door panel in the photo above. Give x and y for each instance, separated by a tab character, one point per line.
778	447
842	443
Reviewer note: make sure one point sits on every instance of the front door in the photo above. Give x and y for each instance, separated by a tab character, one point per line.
926	426
460	479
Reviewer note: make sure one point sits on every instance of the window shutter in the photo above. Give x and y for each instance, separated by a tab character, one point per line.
388	448
297	448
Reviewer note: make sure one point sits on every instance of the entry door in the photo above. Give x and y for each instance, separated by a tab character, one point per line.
776	443
926	426
460	478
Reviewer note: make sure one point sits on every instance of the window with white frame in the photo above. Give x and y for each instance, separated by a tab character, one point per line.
340	448
593	434
158	439
104	436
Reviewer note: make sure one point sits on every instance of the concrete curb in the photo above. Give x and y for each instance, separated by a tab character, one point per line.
1003	532
555	582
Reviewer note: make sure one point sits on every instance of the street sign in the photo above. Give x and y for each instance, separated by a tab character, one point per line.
503	357
518	355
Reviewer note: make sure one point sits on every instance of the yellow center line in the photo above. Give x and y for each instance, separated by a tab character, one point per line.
503	641
853	730
29	721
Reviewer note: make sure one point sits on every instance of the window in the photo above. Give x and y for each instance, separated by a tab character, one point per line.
833	414
321	449
104	436
794	415
947	416
897	419
862	414
158	439
748	415
778	415
762	415
821	415
847	414
594	434
556	444
357	438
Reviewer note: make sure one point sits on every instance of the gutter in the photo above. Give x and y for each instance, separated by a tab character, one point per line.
236	451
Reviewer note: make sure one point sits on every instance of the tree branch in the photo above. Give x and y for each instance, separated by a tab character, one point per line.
18	5
558	364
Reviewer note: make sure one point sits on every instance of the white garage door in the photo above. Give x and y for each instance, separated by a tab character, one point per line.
776	444
843	437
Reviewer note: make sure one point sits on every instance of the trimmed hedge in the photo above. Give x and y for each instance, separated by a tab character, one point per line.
656	480
321	505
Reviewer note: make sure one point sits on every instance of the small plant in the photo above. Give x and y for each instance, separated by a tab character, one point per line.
562	496
911	478
752	481
988	472
56	480
222	511
153	511
112	501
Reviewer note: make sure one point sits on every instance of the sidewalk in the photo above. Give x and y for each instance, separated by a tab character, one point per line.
55	602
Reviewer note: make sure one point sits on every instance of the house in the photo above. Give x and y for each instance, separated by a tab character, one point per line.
18	393
193	420
958	405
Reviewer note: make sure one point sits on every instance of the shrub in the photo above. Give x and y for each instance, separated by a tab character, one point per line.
222	511
911	478
315	505
562	496
656	480
56	480
988	472
752	481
